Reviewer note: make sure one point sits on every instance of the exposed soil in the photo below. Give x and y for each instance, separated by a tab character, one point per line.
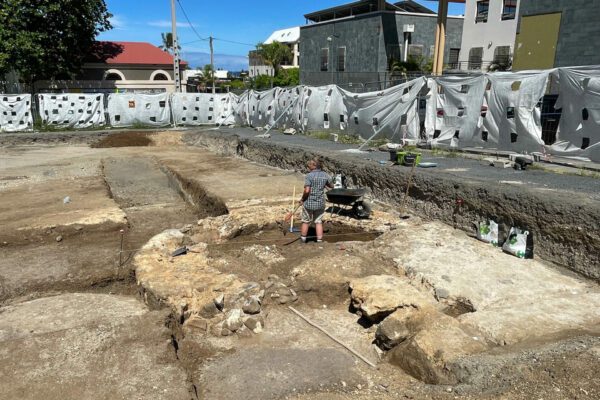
254	256
125	139
154	196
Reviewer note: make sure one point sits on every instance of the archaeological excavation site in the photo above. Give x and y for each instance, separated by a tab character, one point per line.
170	264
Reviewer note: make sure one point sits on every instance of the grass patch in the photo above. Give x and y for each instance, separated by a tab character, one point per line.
561	171
349	139
325	135
445	153
321	135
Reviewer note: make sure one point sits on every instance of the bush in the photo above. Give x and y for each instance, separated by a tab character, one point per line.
287	77
261	82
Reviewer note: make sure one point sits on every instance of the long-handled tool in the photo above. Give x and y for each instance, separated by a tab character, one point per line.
408	184
292	218
290	215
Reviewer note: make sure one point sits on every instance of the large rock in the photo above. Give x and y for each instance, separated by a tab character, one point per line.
431	355
399	326
378	296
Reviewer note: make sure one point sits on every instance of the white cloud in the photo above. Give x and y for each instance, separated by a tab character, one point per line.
118	22
167	24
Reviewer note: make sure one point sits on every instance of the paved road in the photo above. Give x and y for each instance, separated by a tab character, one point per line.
467	168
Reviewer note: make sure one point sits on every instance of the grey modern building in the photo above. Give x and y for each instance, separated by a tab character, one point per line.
557	33
356	43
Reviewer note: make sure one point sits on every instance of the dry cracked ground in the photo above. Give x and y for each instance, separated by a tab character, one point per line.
427	311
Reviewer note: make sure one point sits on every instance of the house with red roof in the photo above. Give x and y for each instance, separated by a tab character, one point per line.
122	67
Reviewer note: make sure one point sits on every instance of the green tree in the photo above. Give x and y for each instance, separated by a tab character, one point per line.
261	82
287	77
167	43
273	54
208	75
49	39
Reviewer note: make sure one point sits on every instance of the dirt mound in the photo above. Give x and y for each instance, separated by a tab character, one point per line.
125	139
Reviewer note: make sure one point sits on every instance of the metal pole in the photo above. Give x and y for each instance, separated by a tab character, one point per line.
282	114
176	71
212	64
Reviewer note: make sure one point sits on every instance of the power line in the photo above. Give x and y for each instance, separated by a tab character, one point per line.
233	41
190	22
207	38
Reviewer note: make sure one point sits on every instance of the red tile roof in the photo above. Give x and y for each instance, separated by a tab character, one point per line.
137	53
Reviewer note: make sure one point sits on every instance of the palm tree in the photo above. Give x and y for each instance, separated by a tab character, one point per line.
208	75
273	54
167	43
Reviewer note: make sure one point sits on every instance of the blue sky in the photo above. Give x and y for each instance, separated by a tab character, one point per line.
245	22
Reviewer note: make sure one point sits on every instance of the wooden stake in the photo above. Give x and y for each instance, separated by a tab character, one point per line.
410	176
332	337
292	220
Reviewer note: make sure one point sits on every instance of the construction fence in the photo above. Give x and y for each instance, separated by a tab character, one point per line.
552	111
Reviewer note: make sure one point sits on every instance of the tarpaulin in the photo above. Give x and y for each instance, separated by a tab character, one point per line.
454	111
144	109
69	110
513	118
579	129
15	113
391	113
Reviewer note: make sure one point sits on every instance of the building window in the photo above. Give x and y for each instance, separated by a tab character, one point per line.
324	59
502	56
415	50
510	9
341	59
160	77
113	77
483	8
453	58
475	57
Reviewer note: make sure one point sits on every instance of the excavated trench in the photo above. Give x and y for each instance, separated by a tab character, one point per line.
241	255
191	202
562	232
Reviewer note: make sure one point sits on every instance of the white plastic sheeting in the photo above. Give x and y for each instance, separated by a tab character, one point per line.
579	129
513	119
499	111
495	111
454	111
261	107
15	113
145	109
391	113
307	108
72	110
203	108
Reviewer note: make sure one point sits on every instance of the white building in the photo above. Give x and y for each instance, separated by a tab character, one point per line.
489	34
220	74
290	37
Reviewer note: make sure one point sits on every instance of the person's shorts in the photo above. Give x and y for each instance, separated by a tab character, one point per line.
315	216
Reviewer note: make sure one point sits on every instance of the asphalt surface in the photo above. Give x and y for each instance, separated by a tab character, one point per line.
457	166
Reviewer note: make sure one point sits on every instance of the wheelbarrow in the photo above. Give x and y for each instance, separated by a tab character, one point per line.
353	198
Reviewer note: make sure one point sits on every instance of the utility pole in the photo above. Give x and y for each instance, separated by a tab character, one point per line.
176	71
212	63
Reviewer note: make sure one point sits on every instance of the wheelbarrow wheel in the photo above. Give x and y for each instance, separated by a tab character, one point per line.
361	209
